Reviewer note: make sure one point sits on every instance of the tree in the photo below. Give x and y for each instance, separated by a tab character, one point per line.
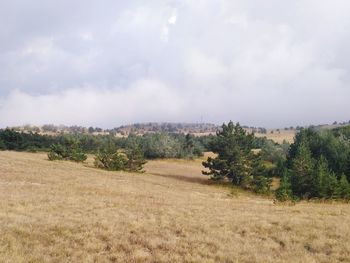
235	158
110	159
135	158
161	145
2	145
69	149
261	181
302	168
343	188
284	191
324	181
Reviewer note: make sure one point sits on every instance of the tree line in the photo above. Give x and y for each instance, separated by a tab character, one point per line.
316	165
153	146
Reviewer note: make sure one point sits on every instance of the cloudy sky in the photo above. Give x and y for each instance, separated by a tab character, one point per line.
268	63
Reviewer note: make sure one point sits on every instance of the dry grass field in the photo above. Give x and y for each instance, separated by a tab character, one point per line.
68	212
279	136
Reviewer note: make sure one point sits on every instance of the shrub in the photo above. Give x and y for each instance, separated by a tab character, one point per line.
111	160
343	188
70	150
135	160
284	192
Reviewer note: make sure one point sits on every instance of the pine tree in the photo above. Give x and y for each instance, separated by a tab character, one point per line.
233	147
324	181
135	159
343	188
69	149
302	171
2	145
110	159
261	183
57	152
284	192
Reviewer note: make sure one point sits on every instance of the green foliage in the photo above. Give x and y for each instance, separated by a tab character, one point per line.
191	147
135	157
318	164
152	145
284	192
261	182
324	182
69	150
110	159
2	145
235	160
343	188
161	145
57	152
274	152
302	172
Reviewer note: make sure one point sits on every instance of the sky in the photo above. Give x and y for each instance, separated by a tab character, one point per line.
106	63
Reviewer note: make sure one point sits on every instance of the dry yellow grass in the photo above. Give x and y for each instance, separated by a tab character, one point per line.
67	212
278	136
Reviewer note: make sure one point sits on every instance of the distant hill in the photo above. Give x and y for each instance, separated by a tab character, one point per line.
154	127
124	130
197	129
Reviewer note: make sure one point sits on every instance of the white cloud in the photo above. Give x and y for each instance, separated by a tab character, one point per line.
142	101
267	63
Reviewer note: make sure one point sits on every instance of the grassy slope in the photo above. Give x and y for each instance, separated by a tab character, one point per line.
67	212
279	136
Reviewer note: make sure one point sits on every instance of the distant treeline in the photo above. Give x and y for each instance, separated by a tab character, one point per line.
137	128
316	165
156	145
153	145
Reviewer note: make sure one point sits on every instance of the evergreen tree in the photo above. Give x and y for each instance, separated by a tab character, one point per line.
302	172
2	145
235	158
135	159
57	152
343	189
284	192
324	181
110	159
261	181
68	150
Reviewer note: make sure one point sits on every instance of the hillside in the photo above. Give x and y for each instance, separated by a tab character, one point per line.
68	212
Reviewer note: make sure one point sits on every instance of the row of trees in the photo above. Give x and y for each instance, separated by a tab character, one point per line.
316	165
109	158
157	145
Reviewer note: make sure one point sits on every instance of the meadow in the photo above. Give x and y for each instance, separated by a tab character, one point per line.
68	212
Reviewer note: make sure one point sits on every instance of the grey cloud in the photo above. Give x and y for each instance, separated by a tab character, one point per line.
268	63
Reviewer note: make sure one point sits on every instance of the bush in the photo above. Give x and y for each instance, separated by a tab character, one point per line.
161	145
70	151
135	159
111	160
343	188
284	192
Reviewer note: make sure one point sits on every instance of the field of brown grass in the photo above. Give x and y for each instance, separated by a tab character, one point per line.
279	136
68	212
